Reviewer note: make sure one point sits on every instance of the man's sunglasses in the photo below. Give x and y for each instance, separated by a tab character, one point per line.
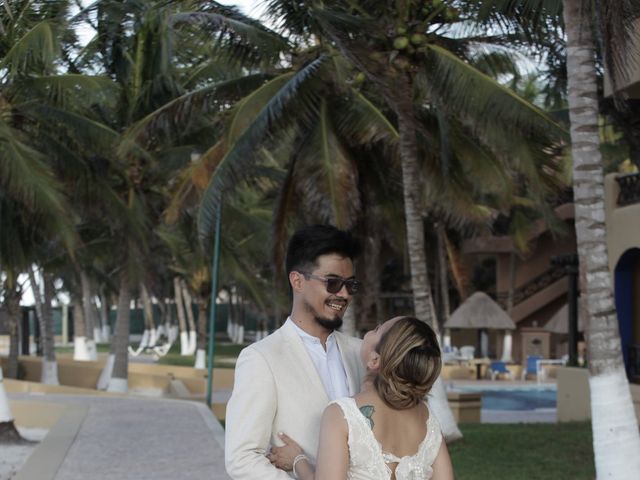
334	284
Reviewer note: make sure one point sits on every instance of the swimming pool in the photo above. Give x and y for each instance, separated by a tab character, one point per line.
515	398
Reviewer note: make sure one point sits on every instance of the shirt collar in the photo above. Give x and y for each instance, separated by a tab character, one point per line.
310	338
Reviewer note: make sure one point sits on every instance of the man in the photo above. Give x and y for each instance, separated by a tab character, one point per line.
284	382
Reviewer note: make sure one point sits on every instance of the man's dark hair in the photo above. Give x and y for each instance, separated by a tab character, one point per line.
308	243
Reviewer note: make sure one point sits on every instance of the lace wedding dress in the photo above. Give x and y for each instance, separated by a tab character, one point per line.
367	461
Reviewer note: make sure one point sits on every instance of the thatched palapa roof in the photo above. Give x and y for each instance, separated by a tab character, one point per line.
480	311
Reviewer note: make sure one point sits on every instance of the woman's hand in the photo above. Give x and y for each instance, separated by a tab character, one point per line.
282	457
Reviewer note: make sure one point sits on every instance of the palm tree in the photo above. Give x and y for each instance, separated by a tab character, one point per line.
150	62
298	103
616	439
33	210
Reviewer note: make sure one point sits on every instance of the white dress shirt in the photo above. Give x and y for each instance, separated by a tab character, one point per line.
328	363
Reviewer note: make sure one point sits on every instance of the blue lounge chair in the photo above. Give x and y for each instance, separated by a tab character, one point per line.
498	367
531	368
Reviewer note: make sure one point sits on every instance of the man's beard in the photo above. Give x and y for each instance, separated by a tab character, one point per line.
329	323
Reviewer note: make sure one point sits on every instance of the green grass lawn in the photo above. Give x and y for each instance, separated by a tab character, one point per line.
102	348
524	452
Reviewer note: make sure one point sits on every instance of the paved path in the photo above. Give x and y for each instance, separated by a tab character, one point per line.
103	438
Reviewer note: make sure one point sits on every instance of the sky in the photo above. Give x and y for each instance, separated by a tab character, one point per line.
253	8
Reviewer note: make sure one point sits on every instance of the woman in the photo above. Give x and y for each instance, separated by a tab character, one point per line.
386	431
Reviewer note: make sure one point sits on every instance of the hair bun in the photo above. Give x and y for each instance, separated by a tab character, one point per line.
409	363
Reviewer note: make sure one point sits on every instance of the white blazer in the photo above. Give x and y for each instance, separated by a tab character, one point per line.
277	389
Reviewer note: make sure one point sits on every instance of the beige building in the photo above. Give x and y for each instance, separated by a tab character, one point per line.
540	289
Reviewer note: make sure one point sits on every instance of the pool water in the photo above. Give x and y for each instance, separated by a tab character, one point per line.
516	398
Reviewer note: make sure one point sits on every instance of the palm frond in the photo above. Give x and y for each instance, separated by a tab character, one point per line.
285	208
247	109
327	177
93	134
70	91
242	38
178	116
363	123
619	24
295	103
25	175
192	181
465	91
34	52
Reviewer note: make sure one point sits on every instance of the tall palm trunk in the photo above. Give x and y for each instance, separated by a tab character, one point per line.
616	441
422	300
150	333
37	300
107	370
12	302
413	219
444	283
507	341
104	317
202	333
49	365
188	306
182	323
89	315
8	432
119	377
80	346
349	320
370	300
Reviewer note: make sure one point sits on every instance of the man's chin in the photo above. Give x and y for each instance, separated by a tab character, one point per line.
329	323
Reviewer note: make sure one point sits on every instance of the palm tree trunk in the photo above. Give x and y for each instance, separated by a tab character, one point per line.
371	301
444	284
120	375
616	441
12	302
202	334
149	324
413	218
89	315
8	432
507	341
188	306
49	373
80	347
107	370
104	317
37	300
182	322
422	300
349	320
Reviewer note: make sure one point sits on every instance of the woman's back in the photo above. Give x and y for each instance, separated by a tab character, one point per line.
383	441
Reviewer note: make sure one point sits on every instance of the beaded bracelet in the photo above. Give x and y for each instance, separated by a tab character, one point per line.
302	456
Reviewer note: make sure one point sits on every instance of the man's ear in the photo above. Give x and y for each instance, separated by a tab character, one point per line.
373	362
295	279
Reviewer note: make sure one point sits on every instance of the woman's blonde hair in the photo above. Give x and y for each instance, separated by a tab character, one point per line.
409	363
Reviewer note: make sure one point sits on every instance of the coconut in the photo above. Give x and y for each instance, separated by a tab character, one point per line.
400	43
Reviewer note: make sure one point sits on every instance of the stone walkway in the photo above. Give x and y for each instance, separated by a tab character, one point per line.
104	438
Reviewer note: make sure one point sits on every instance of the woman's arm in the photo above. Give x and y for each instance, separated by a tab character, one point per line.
442	467
333	450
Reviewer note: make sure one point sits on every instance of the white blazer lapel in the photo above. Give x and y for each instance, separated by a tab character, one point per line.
351	361
300	357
